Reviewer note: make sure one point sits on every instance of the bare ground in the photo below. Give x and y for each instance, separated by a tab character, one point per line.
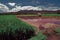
38	21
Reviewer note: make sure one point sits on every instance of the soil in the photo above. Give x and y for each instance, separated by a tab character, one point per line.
39	21
53	37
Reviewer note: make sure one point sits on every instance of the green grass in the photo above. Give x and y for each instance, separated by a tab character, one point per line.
39	36
41	15
29	15
57	30
10	21
50	14
13	27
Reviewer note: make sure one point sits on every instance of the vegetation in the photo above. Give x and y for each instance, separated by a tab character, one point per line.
39	36
12	28
57	30
27	15
40	15
50	14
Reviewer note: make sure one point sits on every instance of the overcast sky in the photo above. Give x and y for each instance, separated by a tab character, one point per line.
16	5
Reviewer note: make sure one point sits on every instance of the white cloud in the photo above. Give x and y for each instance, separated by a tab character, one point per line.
12	4
38	8
3	8
18	8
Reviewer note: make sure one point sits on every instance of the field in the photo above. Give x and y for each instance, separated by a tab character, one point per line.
50	14
30	27
11	28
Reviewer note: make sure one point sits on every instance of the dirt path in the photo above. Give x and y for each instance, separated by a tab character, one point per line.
41	21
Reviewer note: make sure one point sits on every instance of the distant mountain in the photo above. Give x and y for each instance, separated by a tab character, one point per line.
33	12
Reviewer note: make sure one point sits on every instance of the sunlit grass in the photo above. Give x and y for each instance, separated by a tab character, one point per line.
50	14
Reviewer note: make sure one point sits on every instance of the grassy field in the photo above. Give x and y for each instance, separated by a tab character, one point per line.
50	14
11	21
27	15
12	28
40	15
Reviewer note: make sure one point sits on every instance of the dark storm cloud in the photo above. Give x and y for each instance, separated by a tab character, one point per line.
33	2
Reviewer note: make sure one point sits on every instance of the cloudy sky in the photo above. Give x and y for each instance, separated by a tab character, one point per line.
17	5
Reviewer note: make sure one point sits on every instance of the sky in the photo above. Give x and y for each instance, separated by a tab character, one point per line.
17	5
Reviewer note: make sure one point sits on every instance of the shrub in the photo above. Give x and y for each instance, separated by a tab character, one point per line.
57	30
39	36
